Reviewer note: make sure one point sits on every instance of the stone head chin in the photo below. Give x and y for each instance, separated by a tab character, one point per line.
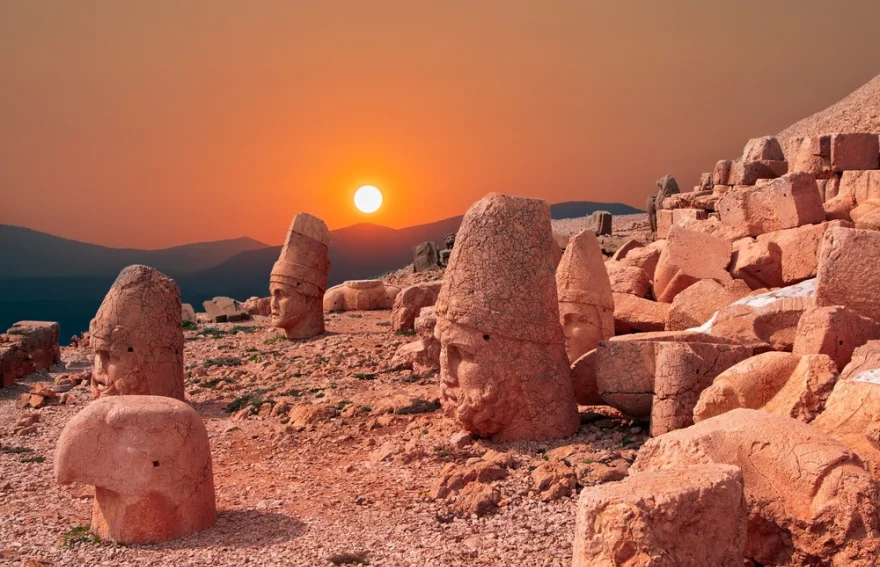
299	314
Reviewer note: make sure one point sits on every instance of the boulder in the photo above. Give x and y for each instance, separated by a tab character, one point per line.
360	295
599	223
425	257
686	517
849	268
780	383
28	346
813	156
835	331
721	173
852	416
188	314
583	378
633	313
696	305
749	172
865	358
688	258
764	148
15	363
258	306
644	258
855	151
809	500
789	201
225	310
627	279
854	188
624	250
410	301
867	215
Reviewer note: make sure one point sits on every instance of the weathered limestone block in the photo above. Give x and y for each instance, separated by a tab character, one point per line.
26	347
721	173
299	278
137	337
503	364
360	295
627	279
698	200
835	331
633	313
644	258
789	201
425	257
188	314
687	517
410	302
712	226
855	151
15	363
852	416
624	250
763	148
225	310
866	215
586	304
599	223
864	358
849	269
813	156
583	378
149	459
664	222
780	383
749	172
696	305
688	258
854	188
809	500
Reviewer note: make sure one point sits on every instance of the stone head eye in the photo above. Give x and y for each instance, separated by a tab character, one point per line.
485	337
155	463
130	349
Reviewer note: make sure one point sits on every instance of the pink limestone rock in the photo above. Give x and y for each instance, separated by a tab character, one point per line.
855	151
721	173
835	331
787	202
849	269
26	347
410	301
644	258
360	295
299	278
503	366
864	358
696	305
633	313
686	517
809	499
780	383
149	459
763	148
586	304
688	258
137	337
627	279
854	188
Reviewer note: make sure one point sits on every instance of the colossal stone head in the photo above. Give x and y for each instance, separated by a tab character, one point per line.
137	337
299	278
586	304
149	460
503	365
666	185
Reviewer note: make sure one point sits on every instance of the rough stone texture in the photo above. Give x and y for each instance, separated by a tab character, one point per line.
149	460
624	250
299	278
813	156
425	257
664	222
503	365
749	172
428	359
809	500
360	295
26	347
627	279
137	337
866	216
225	309
688	258
790	201
835	331
854	188
701	200
410	302
764	148
15	363
696	305
599	223
586	304
780	383
721	173
713	227
188	314
855	152
687	517
583	378
261	306
626	366
633	313
644	258
865	357
849	269
852	416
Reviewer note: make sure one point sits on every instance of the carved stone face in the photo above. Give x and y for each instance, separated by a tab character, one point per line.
583	328
298	314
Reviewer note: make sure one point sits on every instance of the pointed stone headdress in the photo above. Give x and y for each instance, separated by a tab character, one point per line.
500	276
305	261
581	276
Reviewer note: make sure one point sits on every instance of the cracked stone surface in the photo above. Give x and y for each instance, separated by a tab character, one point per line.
409	303
849	266
836	331
149	460
503	364
298	279
137	337
810	501
360	295
586	305
682	517
687	258
852	416
789	201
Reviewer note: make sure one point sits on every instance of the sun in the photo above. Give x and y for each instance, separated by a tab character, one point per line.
368	199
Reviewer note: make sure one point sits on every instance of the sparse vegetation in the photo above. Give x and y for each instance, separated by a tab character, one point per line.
33	460
253	399
273	340
418	406
15	450
79	535
212	332
405	332
364	376
189	326
359	558
341	405
243	329
222	361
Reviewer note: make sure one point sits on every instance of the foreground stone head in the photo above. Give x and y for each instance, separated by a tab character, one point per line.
586	306
137	337
149	460
503	364
299	278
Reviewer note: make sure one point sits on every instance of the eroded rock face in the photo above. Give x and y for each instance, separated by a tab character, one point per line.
835	331
299	278
849	266
852	416
685	517
810	501
789	201
149	460
410	302
26	347
503	364
695	305
360	295
688	258
586	306
137	337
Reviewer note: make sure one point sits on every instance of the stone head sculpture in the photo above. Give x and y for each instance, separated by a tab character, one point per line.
586	304
666	185
149	460
503	365
299	278
137	337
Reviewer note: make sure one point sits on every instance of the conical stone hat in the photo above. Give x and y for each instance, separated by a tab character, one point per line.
304	261
581	276
500	277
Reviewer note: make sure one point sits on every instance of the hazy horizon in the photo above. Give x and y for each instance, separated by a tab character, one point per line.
155	125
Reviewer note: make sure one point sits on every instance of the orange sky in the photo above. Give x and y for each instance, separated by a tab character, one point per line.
158	123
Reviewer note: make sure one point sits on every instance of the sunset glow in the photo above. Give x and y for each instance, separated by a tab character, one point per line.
368	199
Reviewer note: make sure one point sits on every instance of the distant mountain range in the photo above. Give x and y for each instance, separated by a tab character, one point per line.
47	277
